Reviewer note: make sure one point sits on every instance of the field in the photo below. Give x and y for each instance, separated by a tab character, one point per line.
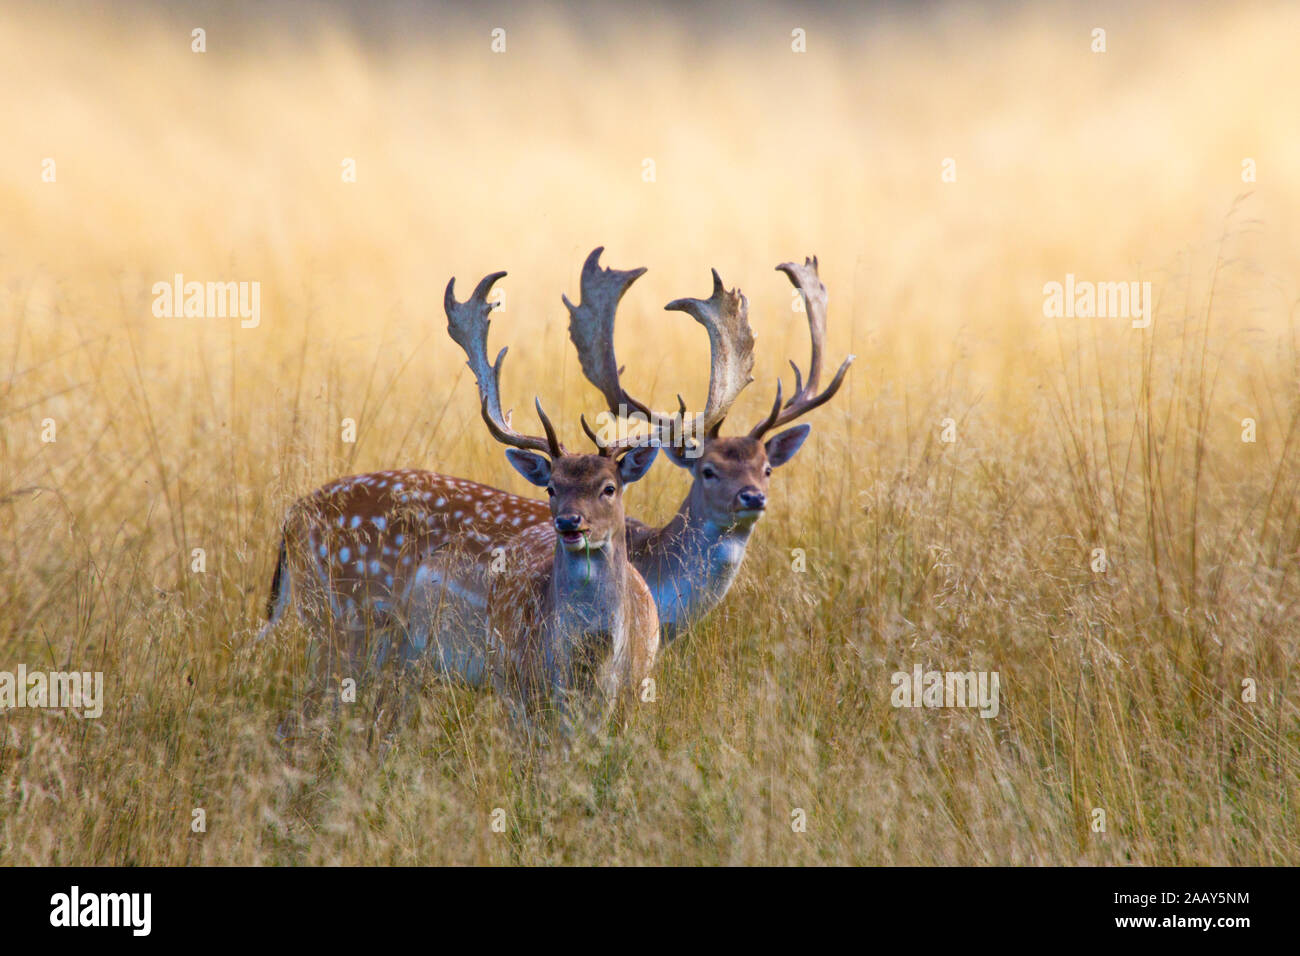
1104	515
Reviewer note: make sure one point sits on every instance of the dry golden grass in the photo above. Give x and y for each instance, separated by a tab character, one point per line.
1120	690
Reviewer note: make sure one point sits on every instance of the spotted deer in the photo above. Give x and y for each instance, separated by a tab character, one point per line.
690	562
421	564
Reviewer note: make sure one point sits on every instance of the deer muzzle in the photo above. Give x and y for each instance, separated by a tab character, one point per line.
574	533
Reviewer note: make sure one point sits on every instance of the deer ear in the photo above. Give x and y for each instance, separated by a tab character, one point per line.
531	465
782	446
636	462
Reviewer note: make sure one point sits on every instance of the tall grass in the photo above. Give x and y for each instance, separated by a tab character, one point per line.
1122	689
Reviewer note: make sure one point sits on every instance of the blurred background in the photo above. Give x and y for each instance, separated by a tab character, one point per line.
1114	166
682	137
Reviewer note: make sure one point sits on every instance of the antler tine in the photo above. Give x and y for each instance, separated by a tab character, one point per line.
591	326
595	439
805	398
725	314
506	435
554	447
770	420
612	448
467	324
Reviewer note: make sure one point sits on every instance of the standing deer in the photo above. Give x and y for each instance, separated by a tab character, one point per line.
406	557
691	562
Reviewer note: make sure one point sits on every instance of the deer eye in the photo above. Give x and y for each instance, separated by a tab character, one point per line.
708	473
550	490
767	470
608	491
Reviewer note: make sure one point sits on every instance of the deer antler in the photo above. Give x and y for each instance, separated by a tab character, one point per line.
591	328
591	325
805	398
724	315
467	324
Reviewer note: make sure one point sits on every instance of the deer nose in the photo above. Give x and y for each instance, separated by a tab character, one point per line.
751	499
568	522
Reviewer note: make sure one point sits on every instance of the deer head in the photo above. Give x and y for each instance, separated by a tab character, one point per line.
585	490
730	473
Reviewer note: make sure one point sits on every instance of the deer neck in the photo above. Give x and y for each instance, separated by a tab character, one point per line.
587	588
689	565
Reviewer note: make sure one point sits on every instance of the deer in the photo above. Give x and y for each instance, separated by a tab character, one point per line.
401	563
691	562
